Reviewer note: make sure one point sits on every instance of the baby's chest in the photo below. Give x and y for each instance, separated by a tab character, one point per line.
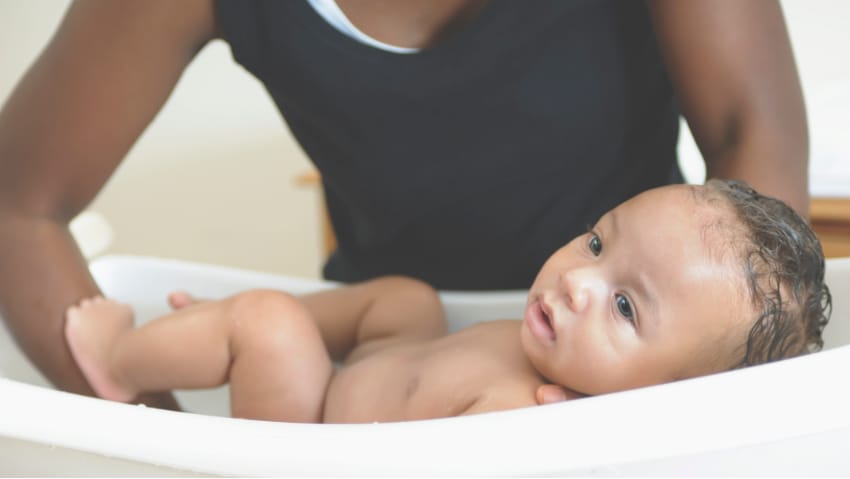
411	383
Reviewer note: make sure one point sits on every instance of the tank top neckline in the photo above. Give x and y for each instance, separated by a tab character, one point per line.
333	14
459	43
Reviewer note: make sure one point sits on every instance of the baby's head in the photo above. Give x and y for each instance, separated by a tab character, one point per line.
678	282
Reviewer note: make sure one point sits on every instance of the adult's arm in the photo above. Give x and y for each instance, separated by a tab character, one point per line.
734	74
68	124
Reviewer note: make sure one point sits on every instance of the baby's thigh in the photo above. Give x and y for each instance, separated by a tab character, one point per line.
281	368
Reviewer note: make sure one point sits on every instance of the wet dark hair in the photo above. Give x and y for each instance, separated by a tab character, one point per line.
784	271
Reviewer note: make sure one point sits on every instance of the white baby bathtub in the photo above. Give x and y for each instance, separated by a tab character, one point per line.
787	418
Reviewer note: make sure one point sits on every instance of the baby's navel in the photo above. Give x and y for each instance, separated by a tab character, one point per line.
412	386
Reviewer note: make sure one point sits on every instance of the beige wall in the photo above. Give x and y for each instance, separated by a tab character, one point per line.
212	179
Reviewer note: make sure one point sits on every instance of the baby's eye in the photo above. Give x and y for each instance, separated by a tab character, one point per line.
624	307
595	244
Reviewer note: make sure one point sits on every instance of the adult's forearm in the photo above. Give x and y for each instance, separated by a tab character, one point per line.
41	273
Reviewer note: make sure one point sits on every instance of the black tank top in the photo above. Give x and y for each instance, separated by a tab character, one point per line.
467	164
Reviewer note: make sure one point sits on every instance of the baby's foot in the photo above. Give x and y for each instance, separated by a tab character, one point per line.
92	330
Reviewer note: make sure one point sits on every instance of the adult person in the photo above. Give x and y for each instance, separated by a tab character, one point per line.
513	127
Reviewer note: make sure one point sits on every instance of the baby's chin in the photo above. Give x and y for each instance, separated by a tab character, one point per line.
536	357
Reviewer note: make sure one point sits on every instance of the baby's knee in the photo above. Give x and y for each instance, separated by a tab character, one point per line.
268	315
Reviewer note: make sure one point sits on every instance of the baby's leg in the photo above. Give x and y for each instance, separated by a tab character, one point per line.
264	342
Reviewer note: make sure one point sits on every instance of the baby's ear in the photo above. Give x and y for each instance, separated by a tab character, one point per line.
550	393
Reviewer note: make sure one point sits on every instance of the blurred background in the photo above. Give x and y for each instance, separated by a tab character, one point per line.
213	179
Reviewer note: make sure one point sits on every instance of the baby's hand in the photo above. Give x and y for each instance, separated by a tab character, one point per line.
181	299
552	393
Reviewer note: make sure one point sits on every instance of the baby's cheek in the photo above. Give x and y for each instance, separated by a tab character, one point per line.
599	372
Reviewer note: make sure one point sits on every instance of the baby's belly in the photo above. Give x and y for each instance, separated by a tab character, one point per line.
397	384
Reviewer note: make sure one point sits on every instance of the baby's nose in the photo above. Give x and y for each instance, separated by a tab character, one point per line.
583	287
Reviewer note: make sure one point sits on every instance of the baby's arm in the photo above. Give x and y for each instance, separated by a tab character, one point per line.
377	311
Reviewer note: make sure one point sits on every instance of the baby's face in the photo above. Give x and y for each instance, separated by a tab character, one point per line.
639	300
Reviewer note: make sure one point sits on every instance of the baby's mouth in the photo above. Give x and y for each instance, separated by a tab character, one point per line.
539	319
547	315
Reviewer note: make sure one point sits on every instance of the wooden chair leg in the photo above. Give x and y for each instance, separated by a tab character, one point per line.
830	218
312	179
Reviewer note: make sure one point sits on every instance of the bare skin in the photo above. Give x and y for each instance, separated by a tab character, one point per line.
397	363
81	106
277	353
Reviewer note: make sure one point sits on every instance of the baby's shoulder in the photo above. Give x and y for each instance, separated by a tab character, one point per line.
501	338
504	394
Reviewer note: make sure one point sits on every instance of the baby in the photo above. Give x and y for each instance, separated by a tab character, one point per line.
677	282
